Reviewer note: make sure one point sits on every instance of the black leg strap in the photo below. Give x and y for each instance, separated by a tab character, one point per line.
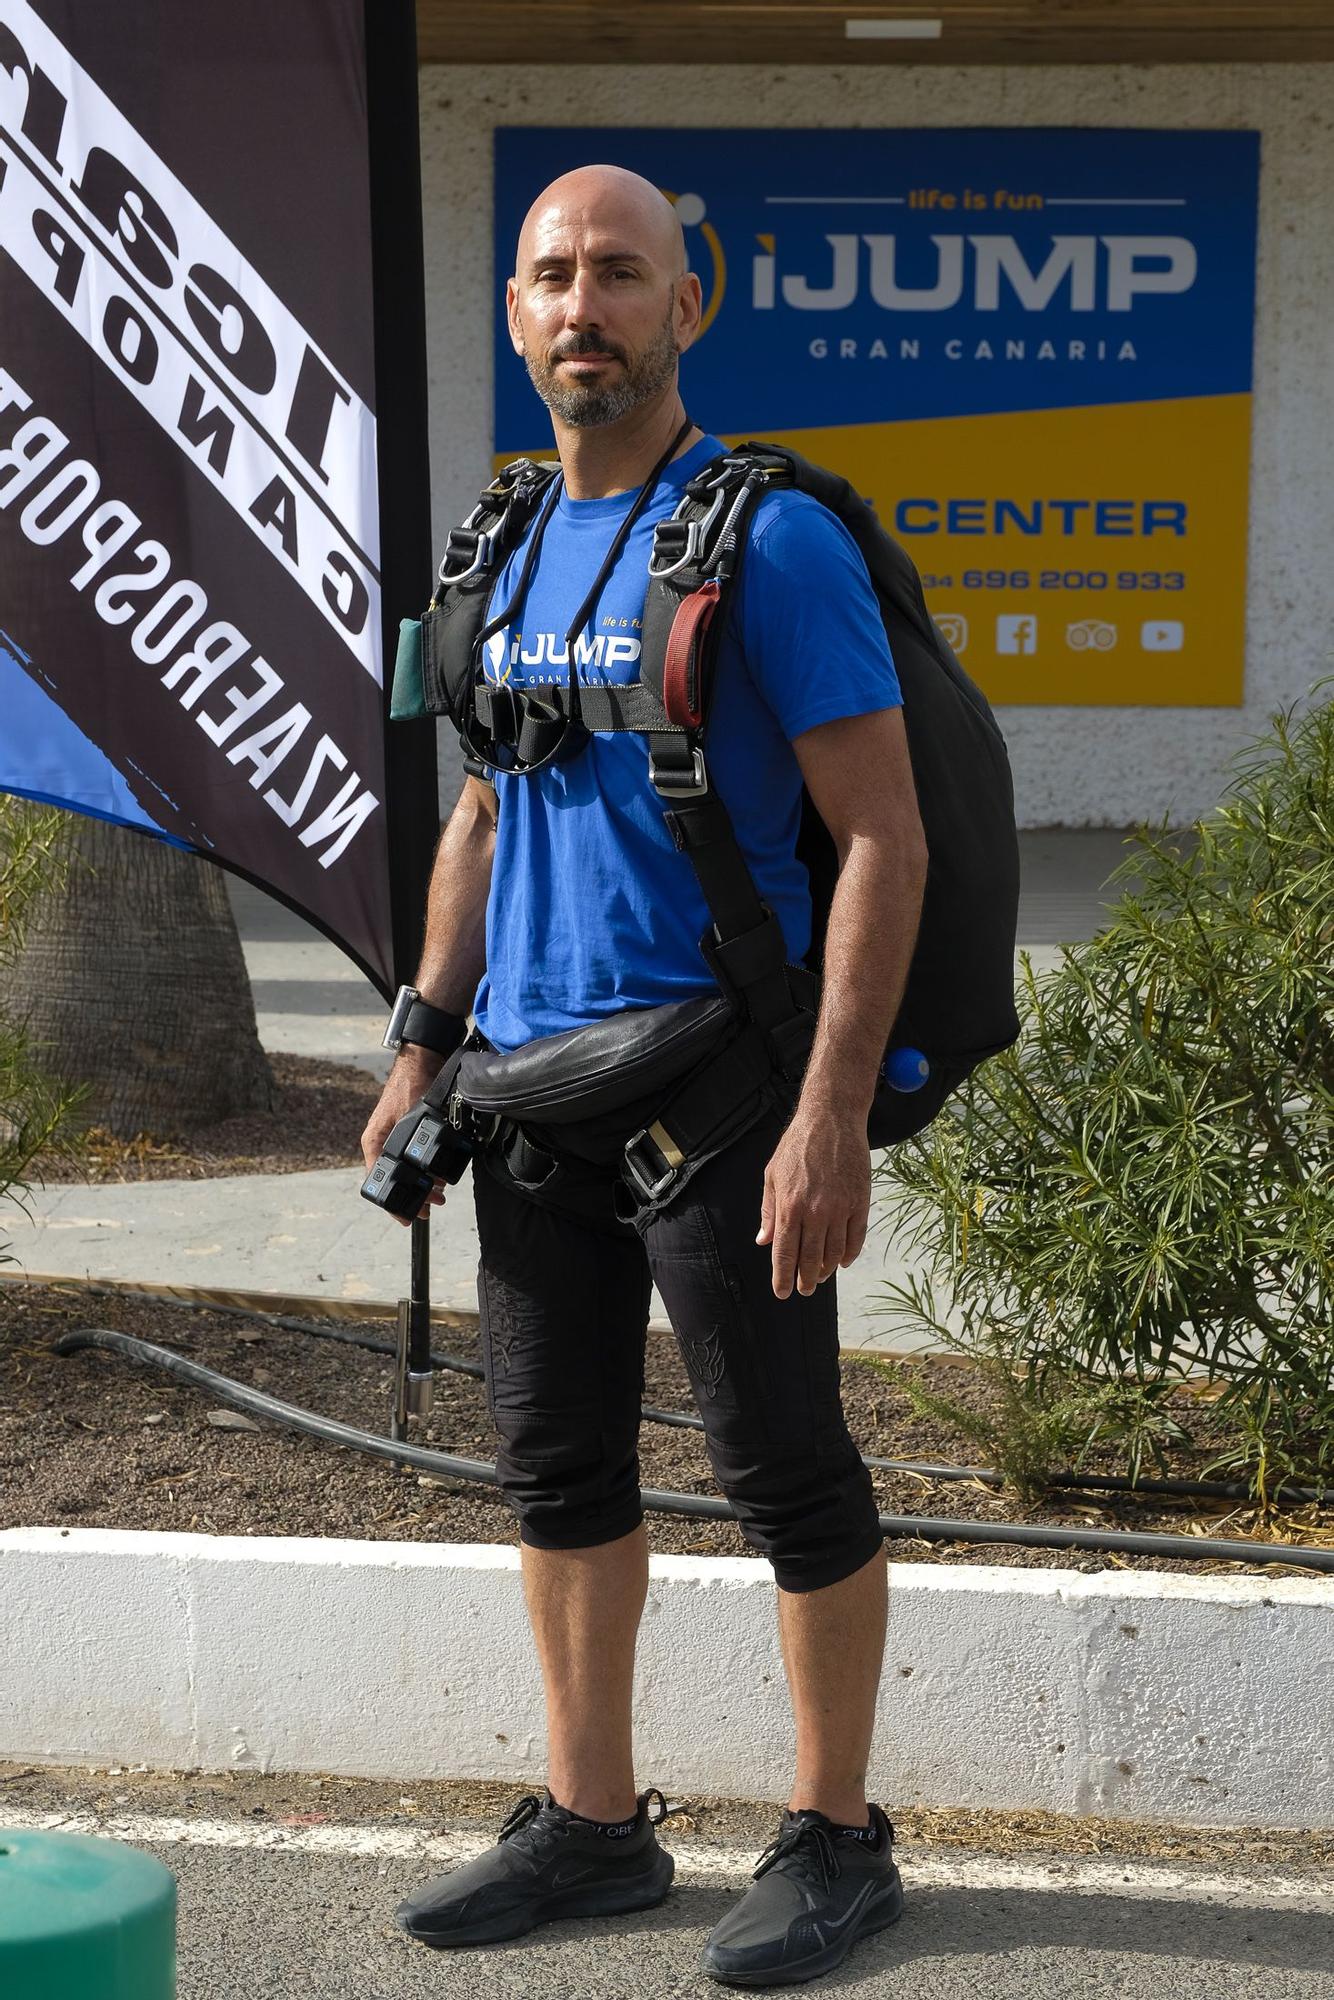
720	1101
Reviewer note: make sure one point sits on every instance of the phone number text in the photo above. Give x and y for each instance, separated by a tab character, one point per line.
1059	579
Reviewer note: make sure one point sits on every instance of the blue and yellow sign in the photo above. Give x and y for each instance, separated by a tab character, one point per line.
1030	349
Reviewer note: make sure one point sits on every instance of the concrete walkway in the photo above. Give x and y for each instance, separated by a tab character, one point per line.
310	1235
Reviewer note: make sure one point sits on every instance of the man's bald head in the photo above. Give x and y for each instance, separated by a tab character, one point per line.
614	201
602	304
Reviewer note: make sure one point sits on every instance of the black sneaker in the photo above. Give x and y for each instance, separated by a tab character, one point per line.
816	1892
545	1864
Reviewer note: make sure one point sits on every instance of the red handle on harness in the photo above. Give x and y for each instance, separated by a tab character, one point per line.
682	689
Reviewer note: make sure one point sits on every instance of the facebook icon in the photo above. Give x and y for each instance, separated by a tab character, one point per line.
1016	634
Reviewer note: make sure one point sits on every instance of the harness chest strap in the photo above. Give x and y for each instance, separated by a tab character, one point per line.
604	706
608	707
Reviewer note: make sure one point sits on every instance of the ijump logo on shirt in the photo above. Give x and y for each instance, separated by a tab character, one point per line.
544	656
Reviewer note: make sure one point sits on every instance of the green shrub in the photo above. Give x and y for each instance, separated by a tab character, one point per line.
34	1109
1143	1187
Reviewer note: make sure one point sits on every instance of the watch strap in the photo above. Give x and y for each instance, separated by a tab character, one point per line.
431	1027
412	1019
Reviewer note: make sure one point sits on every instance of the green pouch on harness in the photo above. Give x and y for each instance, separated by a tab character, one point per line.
407	699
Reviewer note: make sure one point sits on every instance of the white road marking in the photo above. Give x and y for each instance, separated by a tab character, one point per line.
698	1859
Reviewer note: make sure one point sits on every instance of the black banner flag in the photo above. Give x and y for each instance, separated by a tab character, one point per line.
214	496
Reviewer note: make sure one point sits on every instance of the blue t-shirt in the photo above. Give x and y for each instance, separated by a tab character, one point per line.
592	908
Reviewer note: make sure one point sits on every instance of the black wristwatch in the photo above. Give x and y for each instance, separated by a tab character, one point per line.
415	1020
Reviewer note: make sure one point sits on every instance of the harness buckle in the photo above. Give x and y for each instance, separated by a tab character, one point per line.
503	714
678	783
472	546
481	1127
666	535
657	1146
687	535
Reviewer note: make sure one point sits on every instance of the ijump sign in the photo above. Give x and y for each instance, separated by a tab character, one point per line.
1031	350
191	629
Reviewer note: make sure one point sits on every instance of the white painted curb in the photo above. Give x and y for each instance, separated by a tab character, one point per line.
701	1860
1205	1701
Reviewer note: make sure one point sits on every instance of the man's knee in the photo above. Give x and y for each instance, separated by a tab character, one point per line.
571	1484
809	1508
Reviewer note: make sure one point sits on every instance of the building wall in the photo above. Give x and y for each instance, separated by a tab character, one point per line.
1073	767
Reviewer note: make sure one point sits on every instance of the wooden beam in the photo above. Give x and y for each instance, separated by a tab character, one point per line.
815	31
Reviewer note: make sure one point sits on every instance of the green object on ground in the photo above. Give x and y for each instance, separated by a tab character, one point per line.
407	699
84	1918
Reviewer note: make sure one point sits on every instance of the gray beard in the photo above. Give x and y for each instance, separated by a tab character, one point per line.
585	406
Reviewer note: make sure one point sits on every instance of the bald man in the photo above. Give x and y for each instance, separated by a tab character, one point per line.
559	899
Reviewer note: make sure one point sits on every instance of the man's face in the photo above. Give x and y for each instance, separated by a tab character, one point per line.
599	320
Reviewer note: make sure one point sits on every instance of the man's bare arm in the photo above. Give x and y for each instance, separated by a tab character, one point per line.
453	954
454	950
817	1190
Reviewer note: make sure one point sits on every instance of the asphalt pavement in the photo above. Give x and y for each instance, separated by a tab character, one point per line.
267	1912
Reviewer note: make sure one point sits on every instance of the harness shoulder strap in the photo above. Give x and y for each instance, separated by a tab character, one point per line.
696	555
475	553
696	552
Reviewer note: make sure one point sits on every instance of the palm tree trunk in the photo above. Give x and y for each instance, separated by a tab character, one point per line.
131	980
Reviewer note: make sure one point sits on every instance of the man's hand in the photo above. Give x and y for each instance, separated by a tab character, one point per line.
817	1200
415	1070
817	1186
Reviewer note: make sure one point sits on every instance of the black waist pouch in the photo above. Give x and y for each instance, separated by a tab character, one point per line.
586	1091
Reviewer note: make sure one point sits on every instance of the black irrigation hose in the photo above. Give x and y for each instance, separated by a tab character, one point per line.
1106	1542
1096	1482
1087	1482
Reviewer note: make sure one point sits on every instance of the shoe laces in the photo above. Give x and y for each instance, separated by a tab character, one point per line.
805	1840
523	1818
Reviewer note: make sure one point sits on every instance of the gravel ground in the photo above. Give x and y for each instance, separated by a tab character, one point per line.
316	1120
93	1440
437	1805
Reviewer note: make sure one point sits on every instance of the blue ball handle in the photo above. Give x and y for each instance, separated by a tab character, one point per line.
906	1069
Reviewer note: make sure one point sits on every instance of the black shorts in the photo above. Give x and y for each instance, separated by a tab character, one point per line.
564	1290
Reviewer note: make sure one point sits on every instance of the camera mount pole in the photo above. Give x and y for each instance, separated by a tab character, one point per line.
412	1376
404	484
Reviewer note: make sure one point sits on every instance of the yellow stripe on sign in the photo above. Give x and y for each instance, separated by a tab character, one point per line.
1043	606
